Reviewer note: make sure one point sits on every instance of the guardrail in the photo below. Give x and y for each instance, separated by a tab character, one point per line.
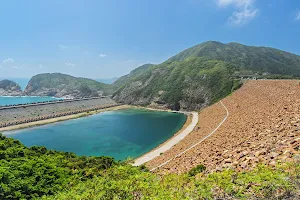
48	102
39	118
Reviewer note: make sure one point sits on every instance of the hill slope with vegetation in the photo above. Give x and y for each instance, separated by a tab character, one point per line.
203	74
10	88
62	85
26	173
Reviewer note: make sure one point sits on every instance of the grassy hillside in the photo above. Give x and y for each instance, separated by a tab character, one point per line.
254	59
31	173
203	74
59	85
133	74
187	84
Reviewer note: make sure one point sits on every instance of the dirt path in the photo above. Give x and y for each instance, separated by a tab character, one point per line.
168	145
191	147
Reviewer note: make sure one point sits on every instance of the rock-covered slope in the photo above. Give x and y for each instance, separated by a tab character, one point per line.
203	74
10	88
263	126
62	85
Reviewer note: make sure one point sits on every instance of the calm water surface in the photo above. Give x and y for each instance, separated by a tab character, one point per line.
21	100
119	134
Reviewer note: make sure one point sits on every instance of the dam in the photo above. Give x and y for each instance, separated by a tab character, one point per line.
25	113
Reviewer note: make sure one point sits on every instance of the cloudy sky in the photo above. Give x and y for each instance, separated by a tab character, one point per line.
108	38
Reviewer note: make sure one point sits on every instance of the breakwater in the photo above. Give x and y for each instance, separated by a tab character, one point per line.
21	114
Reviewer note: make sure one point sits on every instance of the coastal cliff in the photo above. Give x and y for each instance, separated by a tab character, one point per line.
66	86
10	88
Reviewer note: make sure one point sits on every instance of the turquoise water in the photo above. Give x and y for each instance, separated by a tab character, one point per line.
21	100
119	134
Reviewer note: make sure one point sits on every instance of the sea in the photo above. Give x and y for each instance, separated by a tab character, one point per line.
9	100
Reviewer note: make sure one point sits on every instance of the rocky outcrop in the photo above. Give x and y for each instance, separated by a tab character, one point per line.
66	86
10	88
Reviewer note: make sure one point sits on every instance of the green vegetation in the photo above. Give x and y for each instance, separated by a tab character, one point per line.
59	83
126	182
196	170
203	74
249	58
186	84
34	173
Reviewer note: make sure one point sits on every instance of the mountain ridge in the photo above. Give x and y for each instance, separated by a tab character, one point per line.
189	80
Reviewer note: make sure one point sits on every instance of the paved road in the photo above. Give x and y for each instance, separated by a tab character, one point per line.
168	145
227	114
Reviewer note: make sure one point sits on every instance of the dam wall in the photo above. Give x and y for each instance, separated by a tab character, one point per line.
20	114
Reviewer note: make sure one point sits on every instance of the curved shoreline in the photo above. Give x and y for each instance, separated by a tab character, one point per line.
187	127
180	135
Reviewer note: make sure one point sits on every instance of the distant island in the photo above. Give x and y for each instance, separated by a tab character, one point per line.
56	85
10	88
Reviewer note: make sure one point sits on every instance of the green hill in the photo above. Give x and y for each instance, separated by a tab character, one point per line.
62	85
203	74
255	59
133	74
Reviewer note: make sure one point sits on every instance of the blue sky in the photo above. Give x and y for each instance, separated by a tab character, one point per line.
108	38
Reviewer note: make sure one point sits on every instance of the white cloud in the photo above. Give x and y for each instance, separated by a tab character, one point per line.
19	67
101	55
8	60
245	10
63	47
297	16
68	64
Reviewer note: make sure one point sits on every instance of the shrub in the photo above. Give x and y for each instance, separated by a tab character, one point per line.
196	170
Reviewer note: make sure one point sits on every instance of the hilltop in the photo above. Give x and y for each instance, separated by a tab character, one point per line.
62	85
10	88
203	74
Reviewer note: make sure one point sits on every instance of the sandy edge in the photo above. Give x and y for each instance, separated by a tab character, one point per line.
59	119
175	139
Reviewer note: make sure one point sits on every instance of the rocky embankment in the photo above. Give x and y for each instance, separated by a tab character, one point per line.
263	127
39	111
10	88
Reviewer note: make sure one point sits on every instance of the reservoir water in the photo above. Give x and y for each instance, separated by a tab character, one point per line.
24	99
119	134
